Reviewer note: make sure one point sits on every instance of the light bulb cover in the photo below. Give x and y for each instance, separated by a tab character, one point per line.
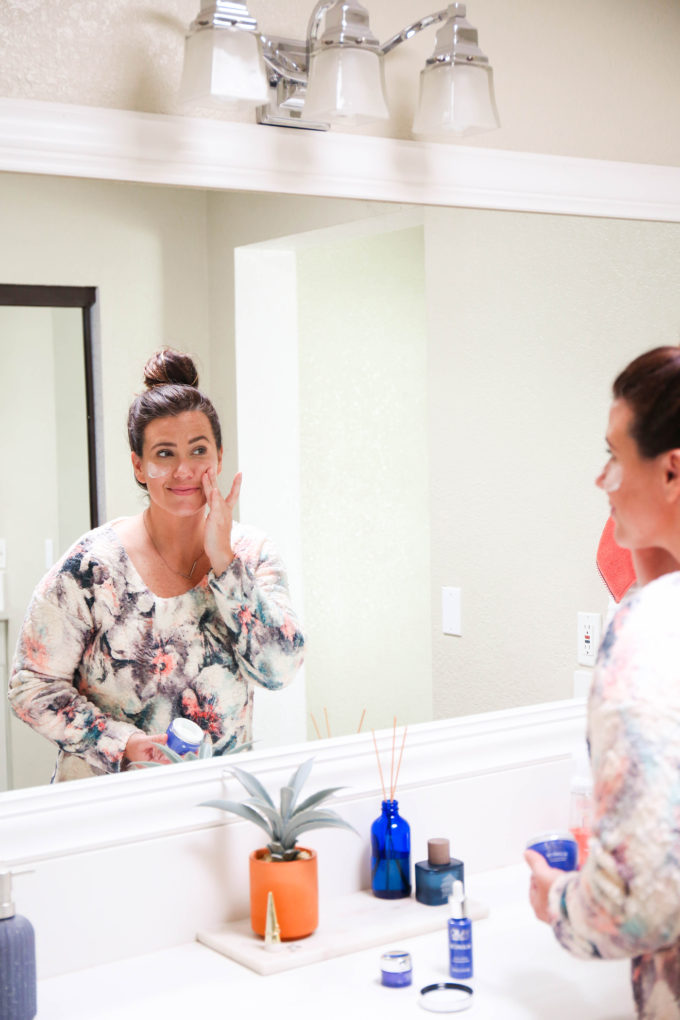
456	100
346	85
223	66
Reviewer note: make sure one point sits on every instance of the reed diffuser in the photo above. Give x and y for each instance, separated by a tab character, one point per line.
391	837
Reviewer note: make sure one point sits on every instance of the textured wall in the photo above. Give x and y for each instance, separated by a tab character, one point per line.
594	78
530	318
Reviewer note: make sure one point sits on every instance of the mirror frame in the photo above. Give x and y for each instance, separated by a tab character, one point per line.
63	140
28	295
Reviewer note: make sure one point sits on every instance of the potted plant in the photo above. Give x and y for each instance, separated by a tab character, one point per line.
282	867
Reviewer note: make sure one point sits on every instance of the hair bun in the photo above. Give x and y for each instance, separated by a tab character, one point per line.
170	367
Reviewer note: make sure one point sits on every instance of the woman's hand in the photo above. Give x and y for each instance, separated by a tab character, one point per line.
140	747
217	535
542	878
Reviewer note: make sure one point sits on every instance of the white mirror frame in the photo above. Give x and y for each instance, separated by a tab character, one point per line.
50	138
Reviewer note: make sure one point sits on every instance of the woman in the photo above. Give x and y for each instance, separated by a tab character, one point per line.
174	612
625	902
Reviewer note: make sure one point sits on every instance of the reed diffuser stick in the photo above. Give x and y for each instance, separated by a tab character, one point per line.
382	781
403	741
318	731
361	721
328	725
394	740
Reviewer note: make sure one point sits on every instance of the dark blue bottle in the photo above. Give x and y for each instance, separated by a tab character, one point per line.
390	854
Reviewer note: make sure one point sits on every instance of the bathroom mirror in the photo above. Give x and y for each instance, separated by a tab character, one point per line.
523	320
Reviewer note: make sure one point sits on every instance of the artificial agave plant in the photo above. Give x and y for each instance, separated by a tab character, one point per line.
283	826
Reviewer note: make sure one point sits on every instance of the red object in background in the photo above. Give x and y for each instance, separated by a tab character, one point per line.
582	837
614	563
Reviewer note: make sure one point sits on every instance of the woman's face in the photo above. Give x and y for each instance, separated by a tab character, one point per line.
634	485
176	454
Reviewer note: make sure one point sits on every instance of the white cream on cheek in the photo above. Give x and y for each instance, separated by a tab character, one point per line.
613	476
156	471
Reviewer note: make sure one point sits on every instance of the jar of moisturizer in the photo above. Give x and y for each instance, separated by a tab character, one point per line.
184	735
395	968
560	849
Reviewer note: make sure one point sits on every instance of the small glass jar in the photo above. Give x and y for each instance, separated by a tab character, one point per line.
391	854
396	969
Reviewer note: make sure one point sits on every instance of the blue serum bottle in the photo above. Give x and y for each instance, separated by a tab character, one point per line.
460	936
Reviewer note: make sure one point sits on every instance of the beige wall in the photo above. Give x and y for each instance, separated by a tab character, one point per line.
29	504
365	513
530	317
593	78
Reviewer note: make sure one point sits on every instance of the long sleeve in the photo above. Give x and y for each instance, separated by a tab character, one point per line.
253	599
626	900
42	690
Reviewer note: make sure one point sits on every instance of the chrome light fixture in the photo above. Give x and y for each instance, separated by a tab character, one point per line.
335	75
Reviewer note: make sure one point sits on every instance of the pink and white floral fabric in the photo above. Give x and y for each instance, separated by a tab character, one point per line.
100	656
626	900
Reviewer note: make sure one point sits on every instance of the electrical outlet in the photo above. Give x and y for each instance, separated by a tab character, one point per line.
588	638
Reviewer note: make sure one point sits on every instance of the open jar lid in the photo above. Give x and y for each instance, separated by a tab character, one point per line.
446	997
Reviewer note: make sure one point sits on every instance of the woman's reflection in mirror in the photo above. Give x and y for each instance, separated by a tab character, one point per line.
177	611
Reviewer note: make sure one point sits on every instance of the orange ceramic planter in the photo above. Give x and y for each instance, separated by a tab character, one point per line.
295	887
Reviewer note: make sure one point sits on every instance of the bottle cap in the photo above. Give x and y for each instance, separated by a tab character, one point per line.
7	908
457	900
438	851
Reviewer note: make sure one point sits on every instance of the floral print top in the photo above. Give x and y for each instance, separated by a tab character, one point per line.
100	656
625	902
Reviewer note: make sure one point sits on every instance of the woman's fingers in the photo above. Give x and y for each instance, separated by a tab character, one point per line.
234	492
141	747
209	480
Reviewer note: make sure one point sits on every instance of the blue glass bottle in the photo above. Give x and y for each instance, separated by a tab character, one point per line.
390	854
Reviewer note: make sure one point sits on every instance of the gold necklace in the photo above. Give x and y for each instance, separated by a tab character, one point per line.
187	577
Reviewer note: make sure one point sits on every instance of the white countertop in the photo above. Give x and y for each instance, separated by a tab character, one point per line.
521	973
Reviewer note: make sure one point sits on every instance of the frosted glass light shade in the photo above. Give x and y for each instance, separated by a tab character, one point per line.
455	100
346	85
223	65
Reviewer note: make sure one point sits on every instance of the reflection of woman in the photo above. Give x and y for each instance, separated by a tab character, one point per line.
625	902
174	612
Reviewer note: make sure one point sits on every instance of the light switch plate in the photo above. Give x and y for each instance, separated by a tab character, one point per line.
451	611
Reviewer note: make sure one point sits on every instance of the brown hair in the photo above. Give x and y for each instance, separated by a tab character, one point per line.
171	381
650	385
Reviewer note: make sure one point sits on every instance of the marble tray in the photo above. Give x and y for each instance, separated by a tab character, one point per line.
354	922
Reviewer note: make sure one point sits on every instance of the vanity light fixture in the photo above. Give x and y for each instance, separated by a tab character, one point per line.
335	75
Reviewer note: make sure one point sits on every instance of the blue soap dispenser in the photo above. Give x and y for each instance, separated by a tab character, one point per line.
460	936
17	958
